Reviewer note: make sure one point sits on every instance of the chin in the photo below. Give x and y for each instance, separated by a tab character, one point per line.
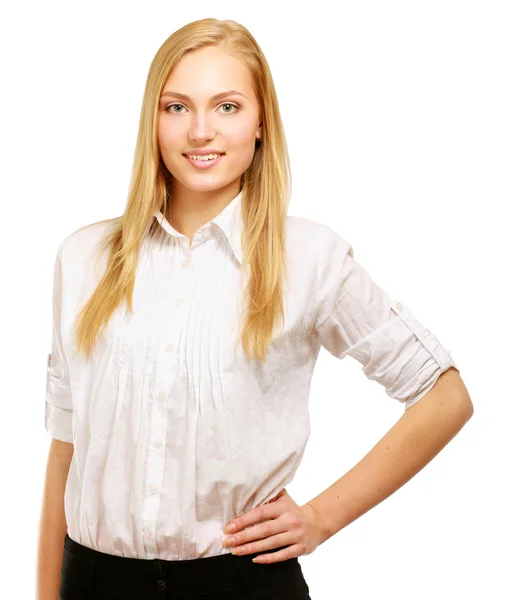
204	182
209	185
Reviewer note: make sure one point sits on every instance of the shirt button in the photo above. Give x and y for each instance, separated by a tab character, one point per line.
153	489
178	303
147	534
169	347
157	443
399	306
161	396
185	262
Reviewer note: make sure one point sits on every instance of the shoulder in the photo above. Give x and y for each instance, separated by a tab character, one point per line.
82	244
79	267
313	240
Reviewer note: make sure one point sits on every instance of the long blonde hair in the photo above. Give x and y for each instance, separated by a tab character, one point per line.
266	189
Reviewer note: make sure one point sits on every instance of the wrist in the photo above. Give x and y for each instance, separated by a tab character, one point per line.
319	522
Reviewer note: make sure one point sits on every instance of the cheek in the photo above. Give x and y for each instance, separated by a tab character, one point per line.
169	140
242	134
167	137
241	142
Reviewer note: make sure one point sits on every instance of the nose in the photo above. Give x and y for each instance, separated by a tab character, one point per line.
201	128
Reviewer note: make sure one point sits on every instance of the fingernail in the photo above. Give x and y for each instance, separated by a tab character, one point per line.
230	528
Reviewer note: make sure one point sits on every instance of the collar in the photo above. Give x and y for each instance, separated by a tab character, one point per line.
229	220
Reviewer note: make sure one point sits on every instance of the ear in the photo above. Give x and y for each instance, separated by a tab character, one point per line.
259	132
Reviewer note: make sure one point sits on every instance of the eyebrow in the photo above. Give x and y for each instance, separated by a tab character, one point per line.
215	97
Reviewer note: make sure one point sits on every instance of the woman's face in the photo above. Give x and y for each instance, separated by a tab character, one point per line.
198	121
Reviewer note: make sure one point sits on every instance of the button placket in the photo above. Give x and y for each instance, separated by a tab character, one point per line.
206	233
160	414
154	472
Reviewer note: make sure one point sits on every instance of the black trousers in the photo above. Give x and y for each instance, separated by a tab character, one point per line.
87	574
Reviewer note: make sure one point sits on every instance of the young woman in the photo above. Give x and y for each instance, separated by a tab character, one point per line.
185	336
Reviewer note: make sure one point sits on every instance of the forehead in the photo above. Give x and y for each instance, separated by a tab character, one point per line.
208	71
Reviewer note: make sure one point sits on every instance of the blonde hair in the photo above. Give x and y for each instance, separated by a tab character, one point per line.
266	189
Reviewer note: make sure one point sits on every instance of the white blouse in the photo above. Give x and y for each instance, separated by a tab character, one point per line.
174	435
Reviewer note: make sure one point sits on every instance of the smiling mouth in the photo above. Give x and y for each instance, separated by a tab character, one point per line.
208	157
206	163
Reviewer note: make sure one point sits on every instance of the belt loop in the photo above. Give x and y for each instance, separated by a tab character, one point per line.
91	577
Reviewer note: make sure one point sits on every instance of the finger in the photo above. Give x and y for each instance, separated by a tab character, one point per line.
283	492
274	542
281	555
256	532
260	513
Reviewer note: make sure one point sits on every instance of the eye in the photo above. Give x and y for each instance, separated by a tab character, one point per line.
170	106
167	108
229	104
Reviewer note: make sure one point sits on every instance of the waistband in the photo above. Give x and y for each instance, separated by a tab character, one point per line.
157	578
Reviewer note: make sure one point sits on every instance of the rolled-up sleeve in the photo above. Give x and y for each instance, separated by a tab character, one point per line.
58	405
356	317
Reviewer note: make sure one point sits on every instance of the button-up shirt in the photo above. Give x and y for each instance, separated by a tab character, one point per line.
174	433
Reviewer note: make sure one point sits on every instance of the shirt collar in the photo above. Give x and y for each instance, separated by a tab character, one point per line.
229	220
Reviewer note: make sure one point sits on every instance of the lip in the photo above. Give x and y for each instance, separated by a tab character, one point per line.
204	151
200	164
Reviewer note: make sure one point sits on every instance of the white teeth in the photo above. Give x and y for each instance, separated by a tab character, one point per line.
202	156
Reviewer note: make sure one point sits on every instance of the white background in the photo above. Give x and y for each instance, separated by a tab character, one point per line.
394	114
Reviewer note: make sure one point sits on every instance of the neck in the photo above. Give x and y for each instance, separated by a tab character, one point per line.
188	209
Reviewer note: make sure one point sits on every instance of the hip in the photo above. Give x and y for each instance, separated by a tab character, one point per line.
88	573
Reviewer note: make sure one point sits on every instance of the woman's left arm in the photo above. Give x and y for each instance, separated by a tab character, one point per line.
417	437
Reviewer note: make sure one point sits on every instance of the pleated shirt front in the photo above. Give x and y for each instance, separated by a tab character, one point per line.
174	432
